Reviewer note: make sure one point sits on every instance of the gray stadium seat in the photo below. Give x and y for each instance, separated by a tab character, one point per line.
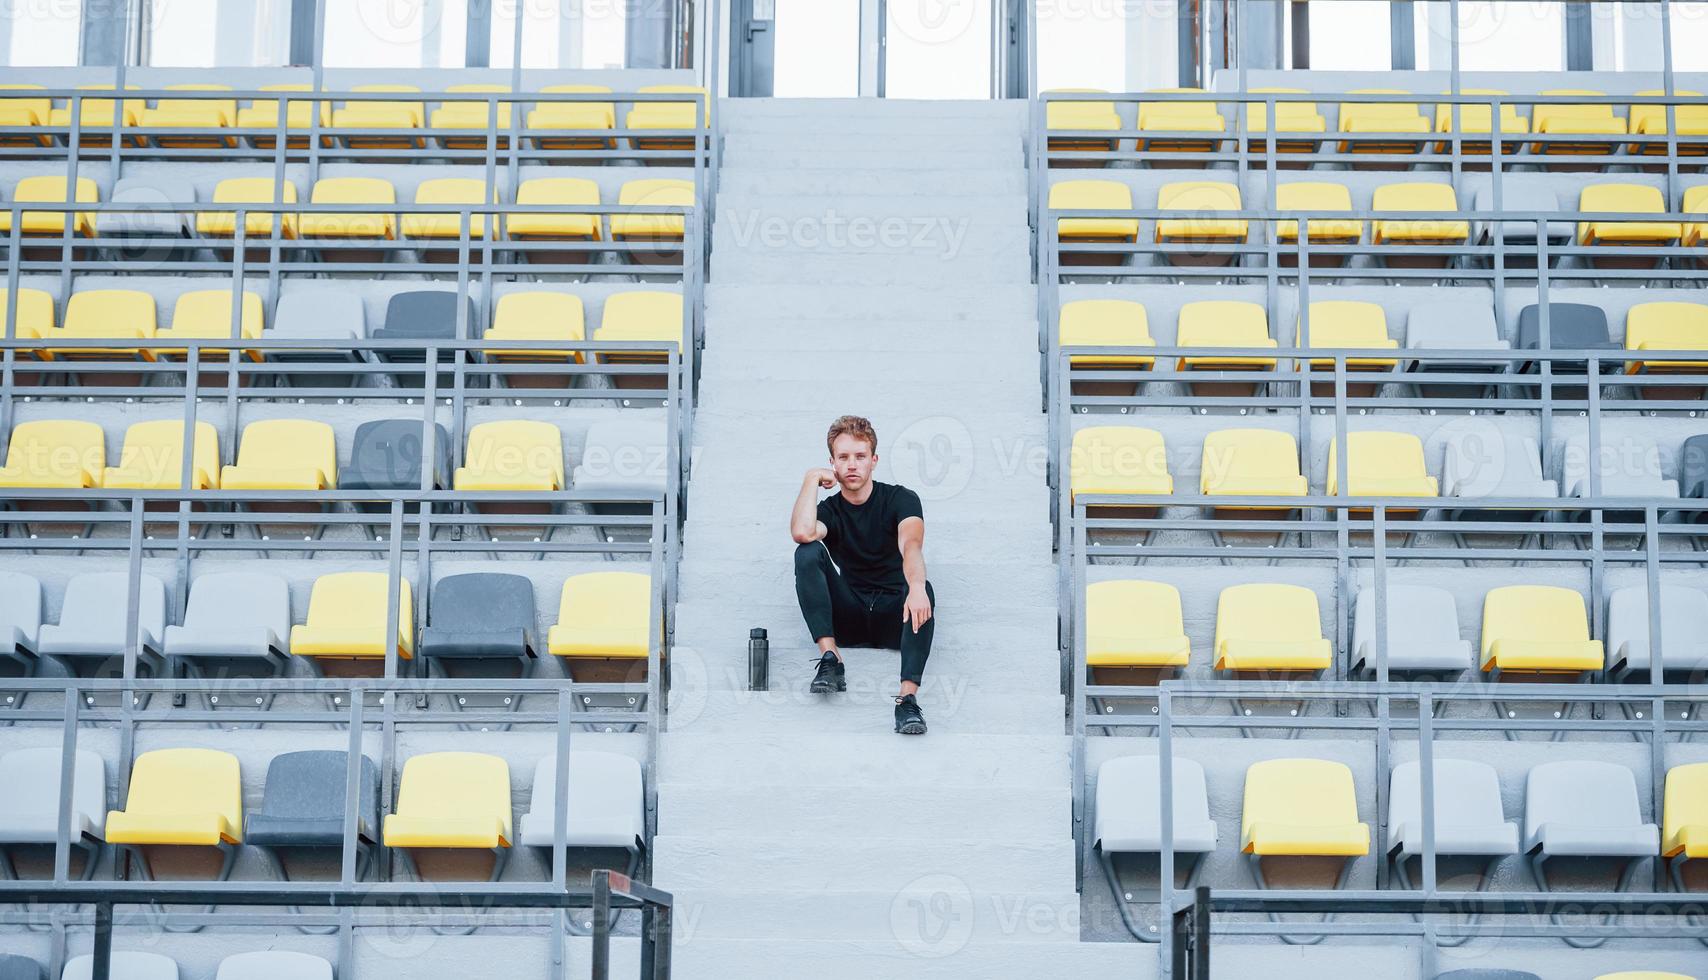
1487	975
29	812
606	804
1454	326
422	316
302	805
385	454
1684	631
481	625
1469	821
1129	821
319	315
623	456
90	631
274	964
1520	197
1627	467
20	622
148	190
236	622
126	965
1480	460
1584	808
1423	632
19	968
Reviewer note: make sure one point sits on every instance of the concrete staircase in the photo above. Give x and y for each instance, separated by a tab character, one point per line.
871	258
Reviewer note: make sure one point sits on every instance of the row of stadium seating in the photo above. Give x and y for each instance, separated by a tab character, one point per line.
244	618
1136	626
272	964
193	797
347	191
1303	807
1202	196
416	315
453	125
1303	118
1261	462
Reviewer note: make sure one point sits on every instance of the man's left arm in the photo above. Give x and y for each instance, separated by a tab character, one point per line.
910	538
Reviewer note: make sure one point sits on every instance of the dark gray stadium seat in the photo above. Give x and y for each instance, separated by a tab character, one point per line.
386	455
302	804
1571	326
481	625
422	316
1693	470
19	968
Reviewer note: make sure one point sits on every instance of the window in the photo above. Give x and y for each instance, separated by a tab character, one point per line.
395	33
938	49
817	49
1349	35
1493	36
1082	44
40	33
1689	37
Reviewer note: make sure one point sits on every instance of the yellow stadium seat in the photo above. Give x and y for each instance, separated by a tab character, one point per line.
666	116
1179	116
1382	464
1630	199
205	314
51	190
190	114
1223	323
153	458
95	122
346	618
1132	623
1119	459
1105	323
604	615
1291	118
1666	326
1301	807
1250	463
1200	196
573	115
1478	118
118	314
54	454
1096	115
34	313
1417	196
381	115
472	116
299	117
349	191
1537	629
512	455
1313	196
24	112
1093	195
284	454
448	191
454	800
1695	202
234	191
1650	120
640	315
1263	627
567	226
191	797
1575	119
652	194
1685	833
1347	324
538	315
1381	118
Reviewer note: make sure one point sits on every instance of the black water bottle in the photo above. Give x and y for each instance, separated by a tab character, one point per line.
758	660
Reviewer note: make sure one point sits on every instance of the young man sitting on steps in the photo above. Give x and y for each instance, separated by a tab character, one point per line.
860	567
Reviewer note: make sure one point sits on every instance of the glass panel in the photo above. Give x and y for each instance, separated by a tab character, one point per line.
817	49
41	33
1493	36
1689	37
544	32
1350	35
393	33
604	37
1082	44
938	49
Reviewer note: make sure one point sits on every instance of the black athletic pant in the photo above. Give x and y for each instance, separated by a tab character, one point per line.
834	608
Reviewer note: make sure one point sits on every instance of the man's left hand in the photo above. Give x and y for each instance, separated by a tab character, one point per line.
917	609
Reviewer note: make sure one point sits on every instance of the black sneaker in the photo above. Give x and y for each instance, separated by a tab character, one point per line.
909	719
831	675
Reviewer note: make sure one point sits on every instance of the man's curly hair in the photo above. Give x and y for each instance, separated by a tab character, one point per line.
851	425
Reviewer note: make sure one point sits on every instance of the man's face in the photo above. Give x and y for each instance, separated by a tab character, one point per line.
852	458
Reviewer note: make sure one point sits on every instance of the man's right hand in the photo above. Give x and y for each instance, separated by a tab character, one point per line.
825	478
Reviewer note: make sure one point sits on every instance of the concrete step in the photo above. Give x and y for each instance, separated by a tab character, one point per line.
886	154
1007	917
944	301
952	705
813	114
922	136
964	666
857	761
845	863
714	621
946	540
846	203
1006	478
799	810
901	185
870	270
1001	391
789	426
775	582
843	337
928	950
748	233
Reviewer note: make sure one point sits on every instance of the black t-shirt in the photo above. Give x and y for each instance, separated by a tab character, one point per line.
862	538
